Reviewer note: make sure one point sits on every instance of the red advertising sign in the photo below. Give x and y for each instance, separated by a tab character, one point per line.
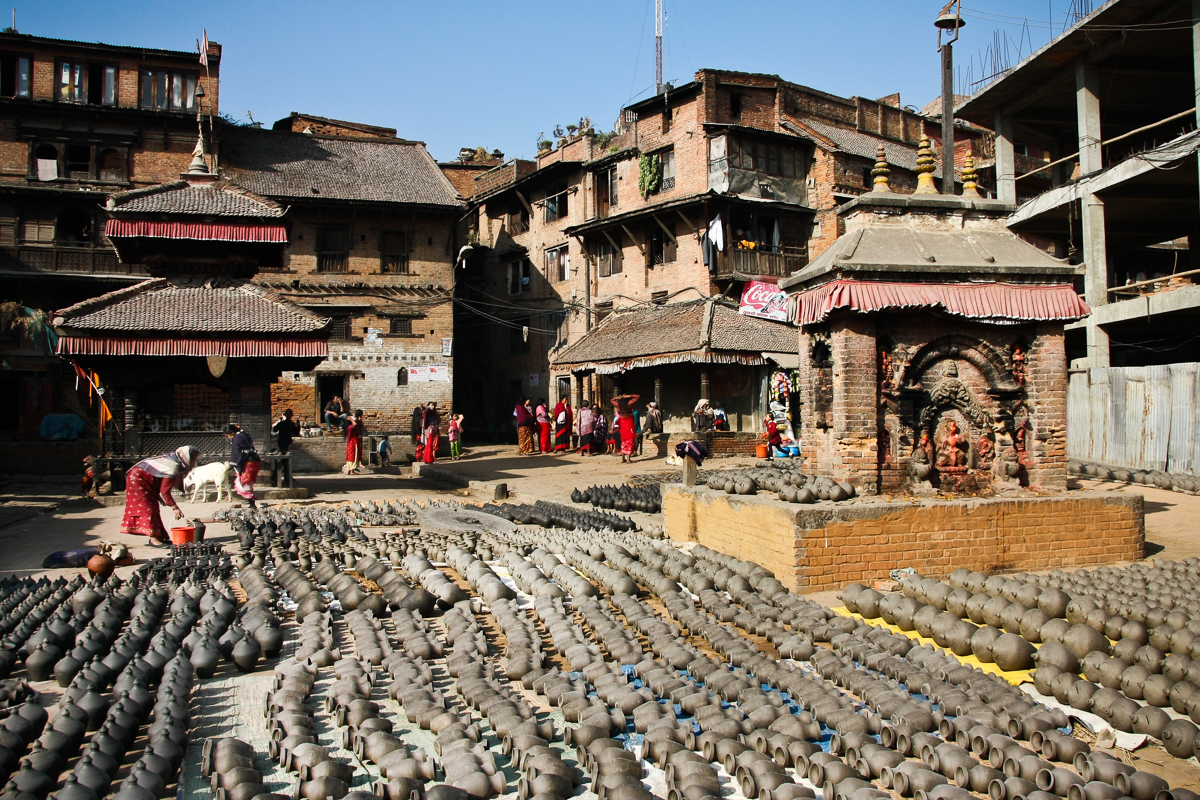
764	300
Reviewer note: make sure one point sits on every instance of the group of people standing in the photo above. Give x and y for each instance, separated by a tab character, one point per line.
427	432
535	422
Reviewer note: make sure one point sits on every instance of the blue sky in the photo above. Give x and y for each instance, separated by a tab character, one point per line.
460	73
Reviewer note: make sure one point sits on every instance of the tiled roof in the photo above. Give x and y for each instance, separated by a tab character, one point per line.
286	165
678	328
220	199
861	144
191	305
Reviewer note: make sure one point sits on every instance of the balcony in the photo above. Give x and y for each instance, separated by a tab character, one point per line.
66	260
751	263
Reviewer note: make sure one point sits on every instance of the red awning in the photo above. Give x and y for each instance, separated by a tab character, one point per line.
206	231
990	302
233	348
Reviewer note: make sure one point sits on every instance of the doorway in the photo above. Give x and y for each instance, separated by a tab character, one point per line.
329	387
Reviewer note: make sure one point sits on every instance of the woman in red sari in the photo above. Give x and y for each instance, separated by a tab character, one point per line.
354	431
562	420
624	410
433	433
148	487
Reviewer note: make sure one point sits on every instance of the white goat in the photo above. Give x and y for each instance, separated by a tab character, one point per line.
219	473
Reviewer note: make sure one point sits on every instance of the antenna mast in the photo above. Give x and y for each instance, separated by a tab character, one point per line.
658	80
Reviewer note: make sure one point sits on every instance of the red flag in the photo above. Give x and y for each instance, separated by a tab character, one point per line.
204	49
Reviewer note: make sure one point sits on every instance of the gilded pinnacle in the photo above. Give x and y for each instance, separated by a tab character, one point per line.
881	171
970	189
925	167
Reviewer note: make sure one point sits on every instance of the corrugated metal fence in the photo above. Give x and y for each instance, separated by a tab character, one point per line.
1136	417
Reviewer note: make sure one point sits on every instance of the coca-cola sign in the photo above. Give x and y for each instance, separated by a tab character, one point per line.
764	300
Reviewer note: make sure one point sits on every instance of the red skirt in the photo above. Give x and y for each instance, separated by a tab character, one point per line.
544	431
433	435
353	449
143	494
625	425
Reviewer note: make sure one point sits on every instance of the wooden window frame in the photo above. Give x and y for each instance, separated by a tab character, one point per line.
341	324
322	253
402	323
558	200
523	269
609	260
12	61
158	86
561	269
394	262
93	75
660	249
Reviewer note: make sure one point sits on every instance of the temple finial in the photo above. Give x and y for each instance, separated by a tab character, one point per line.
925	168
881	171
198	166
970	188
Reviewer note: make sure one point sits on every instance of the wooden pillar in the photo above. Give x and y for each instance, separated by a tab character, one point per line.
704	385
133	438
658	391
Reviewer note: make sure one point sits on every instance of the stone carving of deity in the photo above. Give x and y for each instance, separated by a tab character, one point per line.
952	449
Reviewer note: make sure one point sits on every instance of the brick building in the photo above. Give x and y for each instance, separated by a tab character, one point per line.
78	121
602	222
371	220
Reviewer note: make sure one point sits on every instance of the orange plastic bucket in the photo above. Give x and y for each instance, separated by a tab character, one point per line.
762	451
183	535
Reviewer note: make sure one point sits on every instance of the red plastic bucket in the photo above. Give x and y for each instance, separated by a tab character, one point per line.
183	535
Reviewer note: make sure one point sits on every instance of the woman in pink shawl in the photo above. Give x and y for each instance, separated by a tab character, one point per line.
148	487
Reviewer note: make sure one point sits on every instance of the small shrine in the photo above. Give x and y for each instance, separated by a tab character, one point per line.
931	346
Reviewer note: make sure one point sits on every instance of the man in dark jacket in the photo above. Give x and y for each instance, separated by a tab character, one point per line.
285	430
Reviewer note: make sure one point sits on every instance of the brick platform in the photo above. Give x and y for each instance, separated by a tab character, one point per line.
827	546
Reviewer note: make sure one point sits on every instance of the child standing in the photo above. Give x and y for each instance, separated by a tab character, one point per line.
384	449
455	432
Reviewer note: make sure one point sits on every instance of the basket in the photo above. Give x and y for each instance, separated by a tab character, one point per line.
183	535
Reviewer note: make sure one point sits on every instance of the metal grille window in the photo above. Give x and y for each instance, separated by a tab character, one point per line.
401	326
339	329
666	163
393	252
333	247
556	203
164	90
558	264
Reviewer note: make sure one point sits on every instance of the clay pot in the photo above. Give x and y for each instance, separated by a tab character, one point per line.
1058	655
1150	720
1082	640
1094	790
246	653
101	566
1053	602
1057	780
1140	785
982	641
1011	652
1179	737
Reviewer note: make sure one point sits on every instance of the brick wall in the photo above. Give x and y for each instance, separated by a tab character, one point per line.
823	547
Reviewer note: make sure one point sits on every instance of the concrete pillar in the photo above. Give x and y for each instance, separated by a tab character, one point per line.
1196	61
1006	163
1095	245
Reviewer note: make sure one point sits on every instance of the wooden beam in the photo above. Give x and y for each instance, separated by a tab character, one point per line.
641	248
687	221
611	240
666	230
524	202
